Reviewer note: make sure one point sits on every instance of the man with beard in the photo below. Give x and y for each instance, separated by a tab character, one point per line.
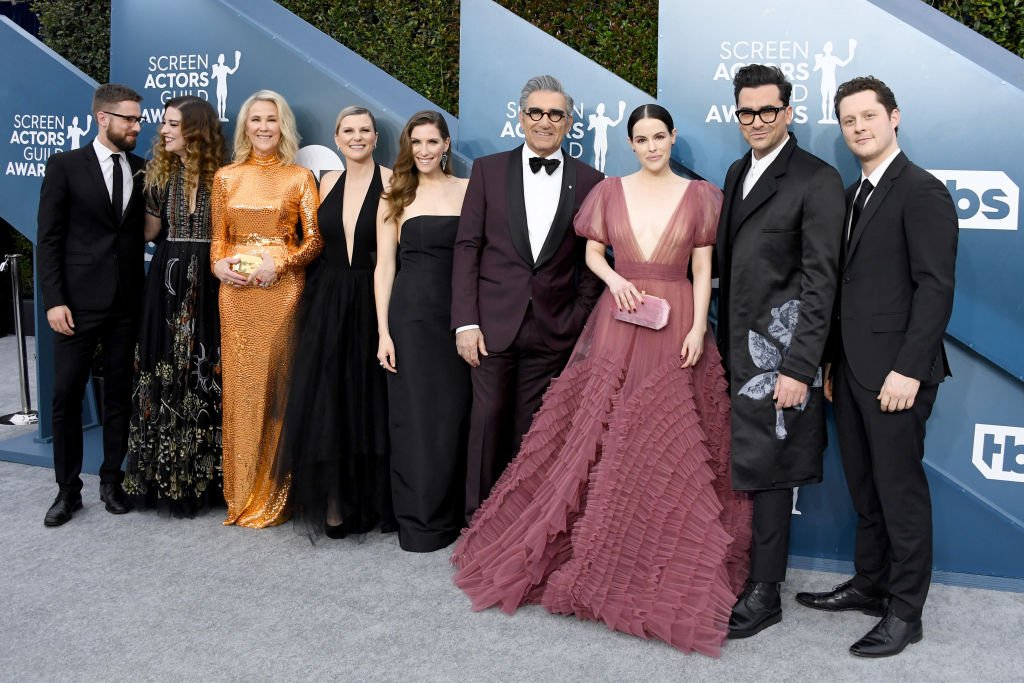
91	271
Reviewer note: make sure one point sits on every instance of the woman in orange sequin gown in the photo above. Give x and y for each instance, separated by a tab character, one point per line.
256	204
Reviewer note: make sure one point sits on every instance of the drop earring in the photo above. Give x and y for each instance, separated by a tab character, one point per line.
444	161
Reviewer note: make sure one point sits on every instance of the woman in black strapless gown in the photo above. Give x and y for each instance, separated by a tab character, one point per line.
335	442
428	384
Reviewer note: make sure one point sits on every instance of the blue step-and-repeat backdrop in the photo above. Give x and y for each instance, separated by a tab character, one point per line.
958	94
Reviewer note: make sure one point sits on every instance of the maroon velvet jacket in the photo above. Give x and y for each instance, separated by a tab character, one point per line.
494	275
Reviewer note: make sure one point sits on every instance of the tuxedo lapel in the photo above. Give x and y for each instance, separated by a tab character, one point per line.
94	177
875	200
734	187
517	226
563	214
137	167
844	248
766	186
763	190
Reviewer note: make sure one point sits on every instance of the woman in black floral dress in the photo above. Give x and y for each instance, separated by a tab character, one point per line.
174	443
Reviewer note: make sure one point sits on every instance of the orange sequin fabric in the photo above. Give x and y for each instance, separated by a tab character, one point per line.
256	206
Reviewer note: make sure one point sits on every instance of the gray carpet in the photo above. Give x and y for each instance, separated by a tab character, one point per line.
143	597
10	382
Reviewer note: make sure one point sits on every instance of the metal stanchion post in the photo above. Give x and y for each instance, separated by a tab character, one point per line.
27	415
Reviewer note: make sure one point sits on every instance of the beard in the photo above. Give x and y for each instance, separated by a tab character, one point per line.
123	141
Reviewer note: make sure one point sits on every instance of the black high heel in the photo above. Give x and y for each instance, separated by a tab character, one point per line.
335	530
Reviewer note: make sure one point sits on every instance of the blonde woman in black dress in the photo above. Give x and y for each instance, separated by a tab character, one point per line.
335	432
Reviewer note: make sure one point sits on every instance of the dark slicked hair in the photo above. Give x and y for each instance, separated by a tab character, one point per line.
756	75
883	93
110	94
649	111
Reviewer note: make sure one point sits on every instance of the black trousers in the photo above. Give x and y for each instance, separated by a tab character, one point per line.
507	390
769	547
882	456
72	361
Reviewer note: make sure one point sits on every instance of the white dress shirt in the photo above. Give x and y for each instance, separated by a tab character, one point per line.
759	166
541	193
876	175
103	154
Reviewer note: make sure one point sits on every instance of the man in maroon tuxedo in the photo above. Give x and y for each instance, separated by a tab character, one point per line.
521	291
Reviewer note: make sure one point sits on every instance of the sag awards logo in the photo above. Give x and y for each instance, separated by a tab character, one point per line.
35	137
999	452
802	64
191	74
582	124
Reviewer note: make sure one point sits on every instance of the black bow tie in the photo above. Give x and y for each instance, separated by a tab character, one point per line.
549	164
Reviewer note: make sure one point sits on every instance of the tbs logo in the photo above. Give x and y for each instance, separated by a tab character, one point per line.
985	200
999	452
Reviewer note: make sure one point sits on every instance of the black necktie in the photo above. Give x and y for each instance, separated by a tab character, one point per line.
858	206
117	195
549	164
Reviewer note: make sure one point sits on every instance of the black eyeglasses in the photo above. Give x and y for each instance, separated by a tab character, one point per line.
132	120
554	115
767	114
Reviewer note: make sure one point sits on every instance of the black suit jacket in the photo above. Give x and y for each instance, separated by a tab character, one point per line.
86	259
494	275
896	293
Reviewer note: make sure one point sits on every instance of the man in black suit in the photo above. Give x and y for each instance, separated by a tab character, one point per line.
895	299
91	271
521	290
778	254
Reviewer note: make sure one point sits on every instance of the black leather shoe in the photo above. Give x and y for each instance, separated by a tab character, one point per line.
844	598
113	496
889	637
758	607
63	508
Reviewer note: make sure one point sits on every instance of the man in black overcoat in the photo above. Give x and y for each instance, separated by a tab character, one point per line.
91	275
887	360
778	254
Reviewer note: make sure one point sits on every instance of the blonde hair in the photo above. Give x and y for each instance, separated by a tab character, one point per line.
354	110
288	147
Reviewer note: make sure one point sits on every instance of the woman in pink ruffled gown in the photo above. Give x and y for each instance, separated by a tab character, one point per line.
619	506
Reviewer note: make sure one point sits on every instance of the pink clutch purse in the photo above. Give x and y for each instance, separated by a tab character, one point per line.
652	313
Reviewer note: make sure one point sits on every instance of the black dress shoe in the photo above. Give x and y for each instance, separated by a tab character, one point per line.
889	637
843	598
63	508
758	607
113	496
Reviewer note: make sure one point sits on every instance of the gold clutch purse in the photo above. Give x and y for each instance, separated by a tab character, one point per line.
247	263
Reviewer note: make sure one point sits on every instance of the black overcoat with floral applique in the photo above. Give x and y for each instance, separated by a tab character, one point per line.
778	255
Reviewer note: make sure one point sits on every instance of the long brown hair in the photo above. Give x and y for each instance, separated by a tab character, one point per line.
405	178
204	146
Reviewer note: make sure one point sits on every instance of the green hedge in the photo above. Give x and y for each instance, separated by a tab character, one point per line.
79	32
417	41
1001	21
620	35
